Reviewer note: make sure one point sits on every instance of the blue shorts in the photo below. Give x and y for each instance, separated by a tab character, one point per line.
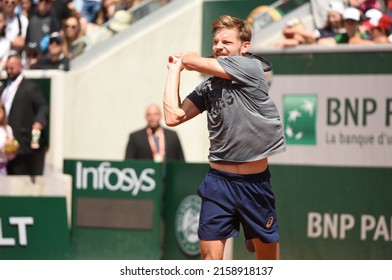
229	200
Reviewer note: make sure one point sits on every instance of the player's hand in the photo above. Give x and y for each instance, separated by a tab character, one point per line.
175	61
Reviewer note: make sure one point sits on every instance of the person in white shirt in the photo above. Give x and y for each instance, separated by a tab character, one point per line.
16	25
5	45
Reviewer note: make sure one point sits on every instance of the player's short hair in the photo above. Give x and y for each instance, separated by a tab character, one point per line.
228	22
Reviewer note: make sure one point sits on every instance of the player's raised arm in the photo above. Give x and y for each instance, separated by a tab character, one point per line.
205	65
175	111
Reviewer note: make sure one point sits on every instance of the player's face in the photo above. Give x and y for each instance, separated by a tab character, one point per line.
227	43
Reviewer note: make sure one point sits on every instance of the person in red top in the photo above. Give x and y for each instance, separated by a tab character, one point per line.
379	29
388	5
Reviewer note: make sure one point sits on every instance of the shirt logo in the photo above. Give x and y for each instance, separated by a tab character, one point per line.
218	96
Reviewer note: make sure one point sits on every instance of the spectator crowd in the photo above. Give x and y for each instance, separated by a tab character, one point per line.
366	22
45	33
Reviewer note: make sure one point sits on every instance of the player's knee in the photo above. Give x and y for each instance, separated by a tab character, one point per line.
210	255
211	250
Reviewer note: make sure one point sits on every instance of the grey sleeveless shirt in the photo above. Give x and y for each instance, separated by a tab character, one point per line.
243	121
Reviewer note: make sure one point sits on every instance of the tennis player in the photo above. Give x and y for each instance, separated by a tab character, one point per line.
244	130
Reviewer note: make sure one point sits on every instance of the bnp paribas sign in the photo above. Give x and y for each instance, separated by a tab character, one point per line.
300	115
346	125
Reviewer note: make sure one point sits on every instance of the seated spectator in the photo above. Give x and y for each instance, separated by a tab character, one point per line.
334	23
120	21
32	52
296	34
72	31
55	58
372	14
108	9
89	14
5	45
352	19
378	29
41	24
16	25
320	10
26	8
388	9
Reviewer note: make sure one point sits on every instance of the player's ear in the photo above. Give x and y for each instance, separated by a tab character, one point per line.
245	47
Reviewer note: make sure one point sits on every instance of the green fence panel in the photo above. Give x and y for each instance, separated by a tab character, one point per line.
116	209
34	228
331	63
331	213
182	208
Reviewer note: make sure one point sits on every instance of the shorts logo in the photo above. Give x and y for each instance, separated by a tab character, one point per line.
270	222
300	112
186	223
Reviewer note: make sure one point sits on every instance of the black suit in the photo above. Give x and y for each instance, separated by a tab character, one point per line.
138	146
29	106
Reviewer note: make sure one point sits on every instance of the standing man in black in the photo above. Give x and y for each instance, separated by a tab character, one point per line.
27	112
154	142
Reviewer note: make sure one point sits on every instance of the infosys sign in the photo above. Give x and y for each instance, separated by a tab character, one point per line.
115	177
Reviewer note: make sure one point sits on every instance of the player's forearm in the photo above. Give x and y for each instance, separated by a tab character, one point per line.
191	61
204	65
171	100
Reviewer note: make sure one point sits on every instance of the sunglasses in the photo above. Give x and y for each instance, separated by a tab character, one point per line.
70	26
10	2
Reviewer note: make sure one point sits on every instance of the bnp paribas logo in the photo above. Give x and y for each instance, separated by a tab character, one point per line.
300	112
